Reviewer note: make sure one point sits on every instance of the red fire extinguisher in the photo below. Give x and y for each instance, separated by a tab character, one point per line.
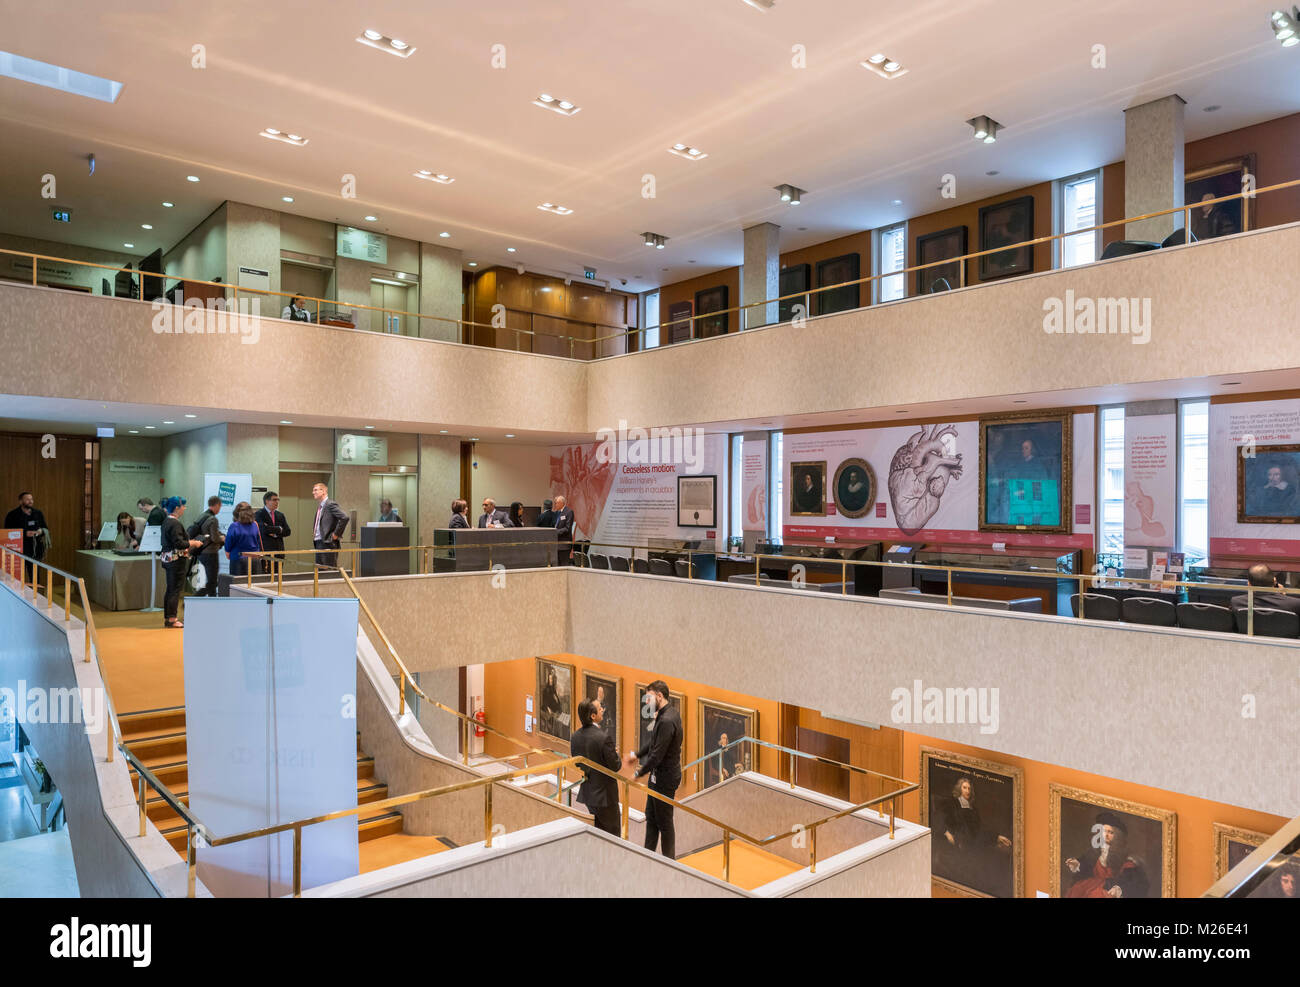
481	717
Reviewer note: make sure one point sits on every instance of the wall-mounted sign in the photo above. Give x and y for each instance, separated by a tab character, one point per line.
589	273
116	466
362	450
62	215
362	245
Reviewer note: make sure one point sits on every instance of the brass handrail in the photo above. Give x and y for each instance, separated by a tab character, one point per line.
793	754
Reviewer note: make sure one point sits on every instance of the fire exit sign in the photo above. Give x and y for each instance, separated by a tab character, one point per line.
63	215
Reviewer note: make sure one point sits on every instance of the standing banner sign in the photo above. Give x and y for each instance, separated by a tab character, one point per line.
753	483
231	488
1150	480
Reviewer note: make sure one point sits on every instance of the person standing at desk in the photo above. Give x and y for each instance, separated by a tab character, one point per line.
599	792
564	527
176	547
491	517
661	759
127	540
35	533
294	311
207	529
458	511
516	515
273	524
328	527
153	515
547	518
386	513
242	538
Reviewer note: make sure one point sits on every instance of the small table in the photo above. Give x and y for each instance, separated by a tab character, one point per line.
119	582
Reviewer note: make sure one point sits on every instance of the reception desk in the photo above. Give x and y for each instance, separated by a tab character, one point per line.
389	563
120	582
477	549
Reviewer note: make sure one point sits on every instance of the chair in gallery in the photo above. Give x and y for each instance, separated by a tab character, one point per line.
599	561
660	567
1123	248
618	563
640	565
1148	610
1177	238
1096	606
580	560
1270	622
1205	617
685	569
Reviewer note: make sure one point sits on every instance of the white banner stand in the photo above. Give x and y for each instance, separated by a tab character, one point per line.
151	542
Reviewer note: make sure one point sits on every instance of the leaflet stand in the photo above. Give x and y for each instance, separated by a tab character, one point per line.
151	542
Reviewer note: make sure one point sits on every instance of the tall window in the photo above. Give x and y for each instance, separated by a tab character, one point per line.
735	524
1078	210
893	257
775	454
1112	480
1193	492
651	338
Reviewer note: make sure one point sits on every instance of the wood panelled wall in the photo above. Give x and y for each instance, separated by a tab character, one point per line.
59	486
551	309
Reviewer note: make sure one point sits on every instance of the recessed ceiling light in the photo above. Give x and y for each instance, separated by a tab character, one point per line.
370	426
444	234
134	431
375	39
558	210
129	246
898	202
285	421
145	226
561	106
474	439
169	423
687	152
790	193
286	198
473	263
883	66
876	59
761	4
510	250
167	205
430	176
371	219
985	128
191	416
442	431
510	435
272	134
1213	108
191	178
150	426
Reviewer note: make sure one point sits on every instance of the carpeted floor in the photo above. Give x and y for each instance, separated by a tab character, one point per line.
751	866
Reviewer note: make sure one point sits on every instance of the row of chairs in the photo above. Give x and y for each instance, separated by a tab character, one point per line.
620	563
1197	616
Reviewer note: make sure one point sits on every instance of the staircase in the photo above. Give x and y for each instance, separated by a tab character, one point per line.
157	738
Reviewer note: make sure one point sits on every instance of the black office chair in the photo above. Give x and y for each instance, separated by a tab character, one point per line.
640	565
1205	617
105	287
940	284
599	561
660	567
1270	622
1096	606
1123	248
1177	238
1147	610
580	560
685	569
618	563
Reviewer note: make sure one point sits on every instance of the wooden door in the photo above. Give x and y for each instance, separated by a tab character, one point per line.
824	778
62	486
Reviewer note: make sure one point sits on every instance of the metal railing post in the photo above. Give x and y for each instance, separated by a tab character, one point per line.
67	599
1250	611
792	770
190	864
627	797
142	799
726	856
487	816
812	851
297	861
949	587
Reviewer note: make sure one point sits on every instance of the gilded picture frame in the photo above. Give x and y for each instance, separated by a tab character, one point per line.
557	724
1002	440
851	503
1226	855
808	501
613	721
1259	501
1159	840
945	870
715	718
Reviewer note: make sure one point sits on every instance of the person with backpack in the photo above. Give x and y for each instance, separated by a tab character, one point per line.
207	531
242	538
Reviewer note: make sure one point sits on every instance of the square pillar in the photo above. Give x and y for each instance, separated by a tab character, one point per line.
1153	166
761	274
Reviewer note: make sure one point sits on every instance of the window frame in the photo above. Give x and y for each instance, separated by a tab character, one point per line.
1058	215
878	259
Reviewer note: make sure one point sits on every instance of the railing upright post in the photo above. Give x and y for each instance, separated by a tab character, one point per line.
67	599
627	797
189	860
297	861
49	591
893	808
812	851
844	579
726	856
315	579
1250	610
141	796
487	816
401	692
949	587
792	769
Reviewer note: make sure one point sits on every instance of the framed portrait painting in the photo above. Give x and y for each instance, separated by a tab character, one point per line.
1003	225
1200	187
932	247
707	302
854	488
1232	846
1025	479
608	691
679	322
976	813
697	501
646	718
808	489
793	279
836	271
1103	847
1267	485
555	682
721	724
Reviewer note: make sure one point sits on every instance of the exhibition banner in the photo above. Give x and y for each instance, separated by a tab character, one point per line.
623	494
231	488
271	737
753	484
1254	478
915	483
1150	480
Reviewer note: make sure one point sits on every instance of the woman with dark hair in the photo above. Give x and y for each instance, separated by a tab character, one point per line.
516	515
242	537
458	510
127	540
176	547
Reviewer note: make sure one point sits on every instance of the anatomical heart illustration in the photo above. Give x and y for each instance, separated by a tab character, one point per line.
585	482
919	475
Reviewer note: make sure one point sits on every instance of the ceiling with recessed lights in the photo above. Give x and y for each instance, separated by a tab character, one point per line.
455	135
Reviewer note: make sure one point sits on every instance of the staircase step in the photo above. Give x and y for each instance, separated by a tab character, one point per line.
170	719
162	748
385	824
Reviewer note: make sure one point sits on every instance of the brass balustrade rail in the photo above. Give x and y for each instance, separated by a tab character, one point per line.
595	343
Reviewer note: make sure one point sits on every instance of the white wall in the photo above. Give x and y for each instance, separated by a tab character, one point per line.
54	272
201	253
508	471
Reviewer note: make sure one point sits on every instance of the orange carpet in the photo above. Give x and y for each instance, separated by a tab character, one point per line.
396	849
751	866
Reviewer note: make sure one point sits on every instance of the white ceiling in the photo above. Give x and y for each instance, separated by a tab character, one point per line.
716	75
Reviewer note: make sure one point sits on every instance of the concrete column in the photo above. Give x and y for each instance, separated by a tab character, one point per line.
440	291
439	483
254	449
352	287
761	273
1153	166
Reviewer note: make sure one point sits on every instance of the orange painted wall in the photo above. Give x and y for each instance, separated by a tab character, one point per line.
1195	841
855	243
684	291
506	683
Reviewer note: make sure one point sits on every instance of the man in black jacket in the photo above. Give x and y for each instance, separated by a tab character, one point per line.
273	524
599	792
547	518
661	759
1261	576
31	522
207	530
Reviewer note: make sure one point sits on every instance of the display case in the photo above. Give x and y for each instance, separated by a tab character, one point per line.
822	562
1025	572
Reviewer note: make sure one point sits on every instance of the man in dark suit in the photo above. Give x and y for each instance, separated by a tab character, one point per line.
661	759
491	517
599	792
1262	576
564	525
274	525
547	518
328	527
